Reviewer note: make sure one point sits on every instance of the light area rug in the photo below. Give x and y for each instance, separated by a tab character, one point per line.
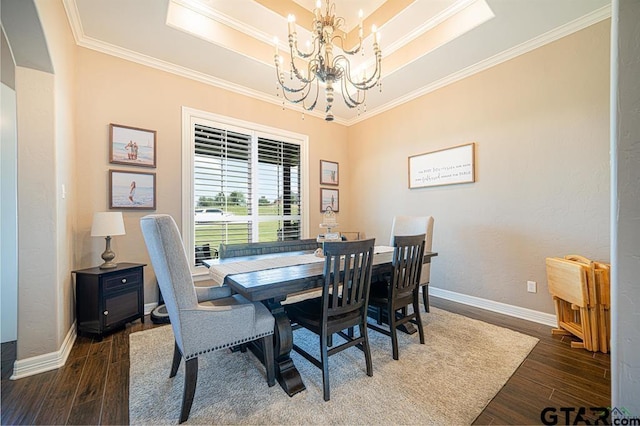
447	381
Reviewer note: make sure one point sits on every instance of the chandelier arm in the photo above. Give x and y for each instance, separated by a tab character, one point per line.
310	67
291	89
370	82
280	76
302	98
344	84
348	99
348	52
315	100
293	45
362	85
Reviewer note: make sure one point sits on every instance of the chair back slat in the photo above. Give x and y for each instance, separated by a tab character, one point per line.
347	277
407	265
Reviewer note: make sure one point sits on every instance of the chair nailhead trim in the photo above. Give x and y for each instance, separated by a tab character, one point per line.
228	345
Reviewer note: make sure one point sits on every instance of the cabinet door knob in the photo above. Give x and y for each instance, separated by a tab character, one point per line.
106	312
124	281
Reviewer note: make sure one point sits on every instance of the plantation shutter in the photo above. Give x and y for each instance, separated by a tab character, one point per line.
222	180
252	181
279	184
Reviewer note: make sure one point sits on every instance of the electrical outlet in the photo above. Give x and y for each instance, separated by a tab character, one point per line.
532	287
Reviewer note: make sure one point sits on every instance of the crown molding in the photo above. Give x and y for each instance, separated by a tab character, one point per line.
73	15
546	38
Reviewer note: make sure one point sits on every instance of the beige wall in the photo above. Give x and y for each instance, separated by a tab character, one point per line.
111	90
541	127
37	286
45	116
62	49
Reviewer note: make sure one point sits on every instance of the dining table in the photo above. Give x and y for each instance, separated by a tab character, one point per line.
270	279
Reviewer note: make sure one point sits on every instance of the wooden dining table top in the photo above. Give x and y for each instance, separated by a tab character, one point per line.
278	282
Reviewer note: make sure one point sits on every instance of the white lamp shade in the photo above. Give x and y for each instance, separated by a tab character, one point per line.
107	224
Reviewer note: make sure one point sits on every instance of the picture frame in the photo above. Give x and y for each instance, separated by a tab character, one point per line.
329	197
132	190
447	166
132	146
329	173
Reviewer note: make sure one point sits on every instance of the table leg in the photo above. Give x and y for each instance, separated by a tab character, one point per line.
286	372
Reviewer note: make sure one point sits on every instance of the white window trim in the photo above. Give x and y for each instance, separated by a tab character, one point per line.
190	117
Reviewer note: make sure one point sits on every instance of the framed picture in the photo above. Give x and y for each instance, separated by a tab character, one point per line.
132	190
132	146
329	198
444	167
328	173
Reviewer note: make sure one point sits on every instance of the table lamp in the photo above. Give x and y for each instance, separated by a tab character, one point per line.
106	224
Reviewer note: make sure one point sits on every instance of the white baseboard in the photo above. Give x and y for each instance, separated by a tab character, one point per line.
50	361
45	362
490	305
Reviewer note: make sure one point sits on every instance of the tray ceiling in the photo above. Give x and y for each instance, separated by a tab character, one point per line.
425	44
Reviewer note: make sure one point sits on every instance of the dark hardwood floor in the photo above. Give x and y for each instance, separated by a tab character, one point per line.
93	386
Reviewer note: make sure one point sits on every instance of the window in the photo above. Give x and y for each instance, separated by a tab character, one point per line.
242	183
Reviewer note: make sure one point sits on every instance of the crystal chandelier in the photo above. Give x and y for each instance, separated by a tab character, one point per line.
320	65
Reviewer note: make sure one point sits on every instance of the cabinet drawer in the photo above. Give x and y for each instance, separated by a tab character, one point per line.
118	281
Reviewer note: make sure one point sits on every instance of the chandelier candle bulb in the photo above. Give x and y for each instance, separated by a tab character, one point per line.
291	19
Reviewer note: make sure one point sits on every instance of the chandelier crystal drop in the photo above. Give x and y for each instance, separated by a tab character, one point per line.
308	69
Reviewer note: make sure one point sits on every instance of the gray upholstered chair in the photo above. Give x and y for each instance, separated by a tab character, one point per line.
203	319
413	225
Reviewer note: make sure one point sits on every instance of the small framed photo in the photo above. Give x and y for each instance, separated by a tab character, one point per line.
132	146
329	199
132	190
328	173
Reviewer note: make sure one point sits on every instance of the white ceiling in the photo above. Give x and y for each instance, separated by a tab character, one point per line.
425	44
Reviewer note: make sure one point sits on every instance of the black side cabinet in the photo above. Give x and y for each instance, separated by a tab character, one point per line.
106	299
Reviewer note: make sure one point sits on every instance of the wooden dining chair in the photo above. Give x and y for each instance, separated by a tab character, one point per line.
342	306
412	225
393	297
203	319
